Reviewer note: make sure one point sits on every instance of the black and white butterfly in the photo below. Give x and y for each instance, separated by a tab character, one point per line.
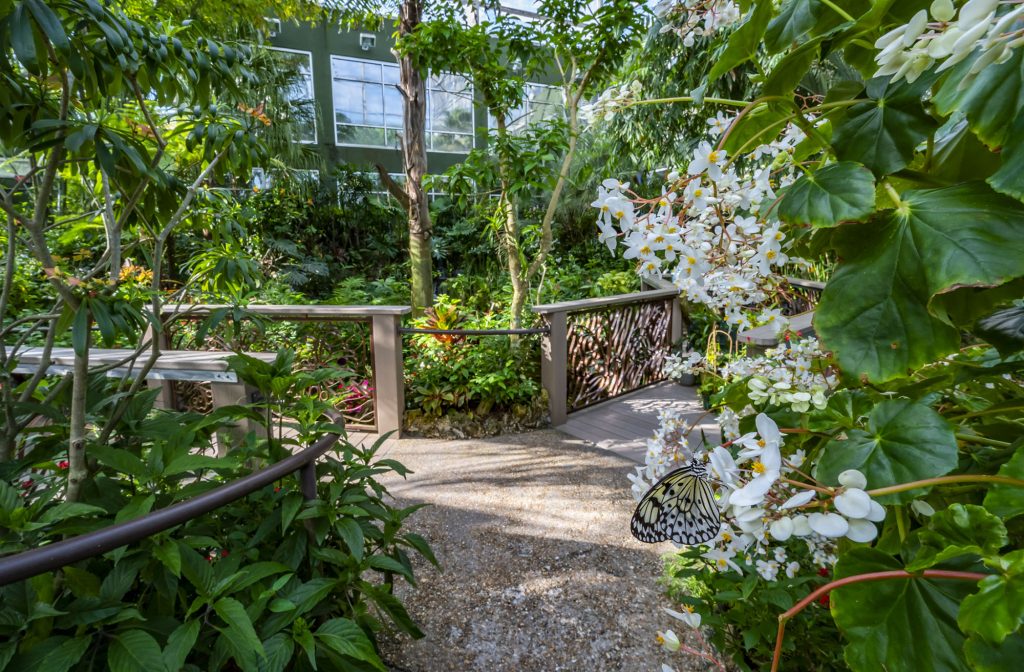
681	507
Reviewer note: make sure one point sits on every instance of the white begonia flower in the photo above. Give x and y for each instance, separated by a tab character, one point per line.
781	529
861	531
853	503
687	616
668	640
792	569
799	499
722	560
922	508
707	159
724	466
828	524
767	470
852	478
877	512
801	526
768	570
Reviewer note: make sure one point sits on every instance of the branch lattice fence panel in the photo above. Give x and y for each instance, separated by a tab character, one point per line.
615	350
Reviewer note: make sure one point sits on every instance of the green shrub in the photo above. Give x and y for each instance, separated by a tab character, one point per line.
470	373
270	582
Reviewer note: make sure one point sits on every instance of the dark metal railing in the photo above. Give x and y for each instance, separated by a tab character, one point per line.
47	558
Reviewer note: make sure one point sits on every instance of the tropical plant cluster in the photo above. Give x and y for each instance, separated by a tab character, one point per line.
869	479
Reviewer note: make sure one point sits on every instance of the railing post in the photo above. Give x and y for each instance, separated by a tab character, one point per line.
675	320
554	350
388	373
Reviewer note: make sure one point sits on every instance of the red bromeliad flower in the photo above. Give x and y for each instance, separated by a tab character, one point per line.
63	464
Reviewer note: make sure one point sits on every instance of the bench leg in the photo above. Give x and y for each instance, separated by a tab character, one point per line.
165	400
233	394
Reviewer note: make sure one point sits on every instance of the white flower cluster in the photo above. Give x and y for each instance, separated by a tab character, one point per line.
706	229
795	373
762	503
691	19
677	366
611	101
912	49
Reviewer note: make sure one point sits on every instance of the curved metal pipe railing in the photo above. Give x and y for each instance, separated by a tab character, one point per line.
47	558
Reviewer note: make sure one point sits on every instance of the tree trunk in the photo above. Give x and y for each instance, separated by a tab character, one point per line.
78	471
414	157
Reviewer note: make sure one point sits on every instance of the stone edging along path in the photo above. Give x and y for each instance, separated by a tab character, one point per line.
540	570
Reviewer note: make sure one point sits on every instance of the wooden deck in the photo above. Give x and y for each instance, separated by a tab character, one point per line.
623	425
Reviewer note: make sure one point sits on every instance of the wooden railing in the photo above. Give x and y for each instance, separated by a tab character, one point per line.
597	349
376	353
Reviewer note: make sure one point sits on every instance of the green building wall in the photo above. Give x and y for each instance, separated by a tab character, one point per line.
323	42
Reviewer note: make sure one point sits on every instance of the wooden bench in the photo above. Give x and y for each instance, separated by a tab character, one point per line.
186	365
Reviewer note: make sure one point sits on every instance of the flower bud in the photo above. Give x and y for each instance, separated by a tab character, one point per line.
781	529
922	507
828	524
852	478
801	527
854	503
943	10
861	531
975	10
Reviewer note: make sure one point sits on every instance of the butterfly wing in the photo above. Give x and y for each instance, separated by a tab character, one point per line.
681	507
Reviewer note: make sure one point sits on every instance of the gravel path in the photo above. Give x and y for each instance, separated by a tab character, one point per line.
540	570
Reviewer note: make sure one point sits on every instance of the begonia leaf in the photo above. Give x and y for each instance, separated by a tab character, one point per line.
882	313
843	191
905	441
899	625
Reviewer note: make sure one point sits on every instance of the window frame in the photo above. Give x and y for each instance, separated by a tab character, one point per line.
428	126
312	90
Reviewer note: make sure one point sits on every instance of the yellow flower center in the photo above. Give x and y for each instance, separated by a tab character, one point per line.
698	193
771	254
619	213
761	443
758	468
659	639
713	157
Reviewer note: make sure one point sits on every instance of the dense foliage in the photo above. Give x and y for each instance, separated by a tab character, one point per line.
270	582
888	455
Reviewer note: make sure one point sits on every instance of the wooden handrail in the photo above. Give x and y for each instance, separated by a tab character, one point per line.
605	301
47	558
294	312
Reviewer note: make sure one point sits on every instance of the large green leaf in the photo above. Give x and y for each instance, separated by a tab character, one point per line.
985	657
959	530
898	625
992	101
796	20
742	44
880	312
883	132
346	638
134	651
240	630
66	655
1009	179
905	441
179	643
843	191
1007	501
997	609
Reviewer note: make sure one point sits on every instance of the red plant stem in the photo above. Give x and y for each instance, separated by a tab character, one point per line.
859	578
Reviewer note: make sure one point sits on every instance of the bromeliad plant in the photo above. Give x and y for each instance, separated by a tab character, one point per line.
885	465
